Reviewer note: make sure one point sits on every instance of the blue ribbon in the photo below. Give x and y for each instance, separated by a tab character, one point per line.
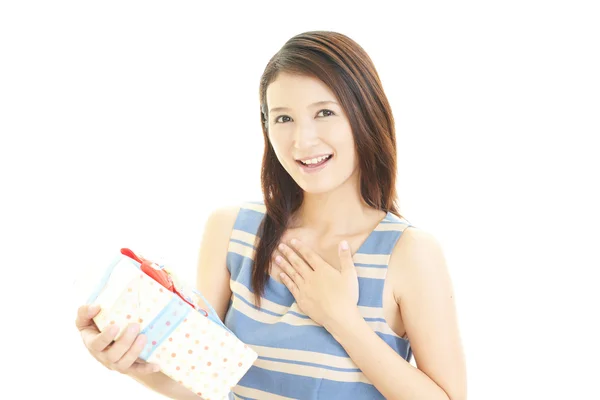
161	327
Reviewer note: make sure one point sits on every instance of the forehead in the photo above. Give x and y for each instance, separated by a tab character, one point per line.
295	91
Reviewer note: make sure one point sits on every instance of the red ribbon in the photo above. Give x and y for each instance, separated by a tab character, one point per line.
159	275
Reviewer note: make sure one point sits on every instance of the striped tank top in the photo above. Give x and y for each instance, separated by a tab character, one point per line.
298	359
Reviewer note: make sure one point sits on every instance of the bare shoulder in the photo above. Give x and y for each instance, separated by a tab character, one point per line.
420	273
222	218
417	254
217	232
425	296
414	238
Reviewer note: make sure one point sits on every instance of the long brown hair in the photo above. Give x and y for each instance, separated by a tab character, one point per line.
348	71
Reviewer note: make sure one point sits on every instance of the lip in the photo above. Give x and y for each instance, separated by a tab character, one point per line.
311	157
313	170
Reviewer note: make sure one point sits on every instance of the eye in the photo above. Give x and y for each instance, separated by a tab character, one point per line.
277	119
327	111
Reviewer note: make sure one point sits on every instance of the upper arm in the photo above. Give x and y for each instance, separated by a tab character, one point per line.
213	276
426	299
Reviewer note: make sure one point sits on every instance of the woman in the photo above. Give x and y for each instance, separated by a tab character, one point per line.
340	291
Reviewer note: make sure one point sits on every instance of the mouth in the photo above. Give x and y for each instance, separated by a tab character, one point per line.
314	163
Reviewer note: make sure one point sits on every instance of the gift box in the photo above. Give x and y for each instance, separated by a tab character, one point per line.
189	343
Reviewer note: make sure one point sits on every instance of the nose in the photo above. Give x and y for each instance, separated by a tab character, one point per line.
305	134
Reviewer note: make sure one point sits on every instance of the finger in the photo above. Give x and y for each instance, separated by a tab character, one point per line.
289	270
122	345
347	264
103	339
312	259
131	355
142	368
294	260
287	281
85	314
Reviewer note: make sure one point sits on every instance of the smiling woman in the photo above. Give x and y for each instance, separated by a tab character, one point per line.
323	278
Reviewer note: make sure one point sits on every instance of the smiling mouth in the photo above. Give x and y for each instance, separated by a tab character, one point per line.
315	162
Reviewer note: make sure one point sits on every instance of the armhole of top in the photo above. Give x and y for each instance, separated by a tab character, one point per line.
396	241
403	221
229	240
239	224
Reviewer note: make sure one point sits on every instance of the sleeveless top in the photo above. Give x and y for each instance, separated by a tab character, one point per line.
298	359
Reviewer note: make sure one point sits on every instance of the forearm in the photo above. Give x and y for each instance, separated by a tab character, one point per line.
166	386
393	376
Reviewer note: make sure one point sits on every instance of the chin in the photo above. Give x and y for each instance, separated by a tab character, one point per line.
318	188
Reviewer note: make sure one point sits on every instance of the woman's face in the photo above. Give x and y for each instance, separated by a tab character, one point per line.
310	133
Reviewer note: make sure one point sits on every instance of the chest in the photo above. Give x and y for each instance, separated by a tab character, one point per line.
383	289
325	247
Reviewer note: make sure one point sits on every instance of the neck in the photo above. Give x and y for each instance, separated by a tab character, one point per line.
338	213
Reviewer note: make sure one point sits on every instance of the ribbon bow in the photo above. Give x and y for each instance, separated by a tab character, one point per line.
160	275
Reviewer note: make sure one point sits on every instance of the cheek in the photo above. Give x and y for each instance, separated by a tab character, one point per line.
281	150
346	149
350	158
276	145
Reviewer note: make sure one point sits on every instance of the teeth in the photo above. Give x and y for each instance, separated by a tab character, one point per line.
314	160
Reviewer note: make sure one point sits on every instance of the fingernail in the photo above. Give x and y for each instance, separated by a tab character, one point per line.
133	328
113	330
344	245
92	310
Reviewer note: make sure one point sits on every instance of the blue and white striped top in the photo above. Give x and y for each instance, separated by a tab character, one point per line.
297	359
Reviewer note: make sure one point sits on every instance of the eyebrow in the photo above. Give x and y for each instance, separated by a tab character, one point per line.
318	103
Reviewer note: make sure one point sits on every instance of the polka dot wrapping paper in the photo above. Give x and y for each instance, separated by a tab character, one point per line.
191	345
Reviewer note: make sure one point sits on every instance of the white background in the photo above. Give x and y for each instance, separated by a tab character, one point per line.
123	124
